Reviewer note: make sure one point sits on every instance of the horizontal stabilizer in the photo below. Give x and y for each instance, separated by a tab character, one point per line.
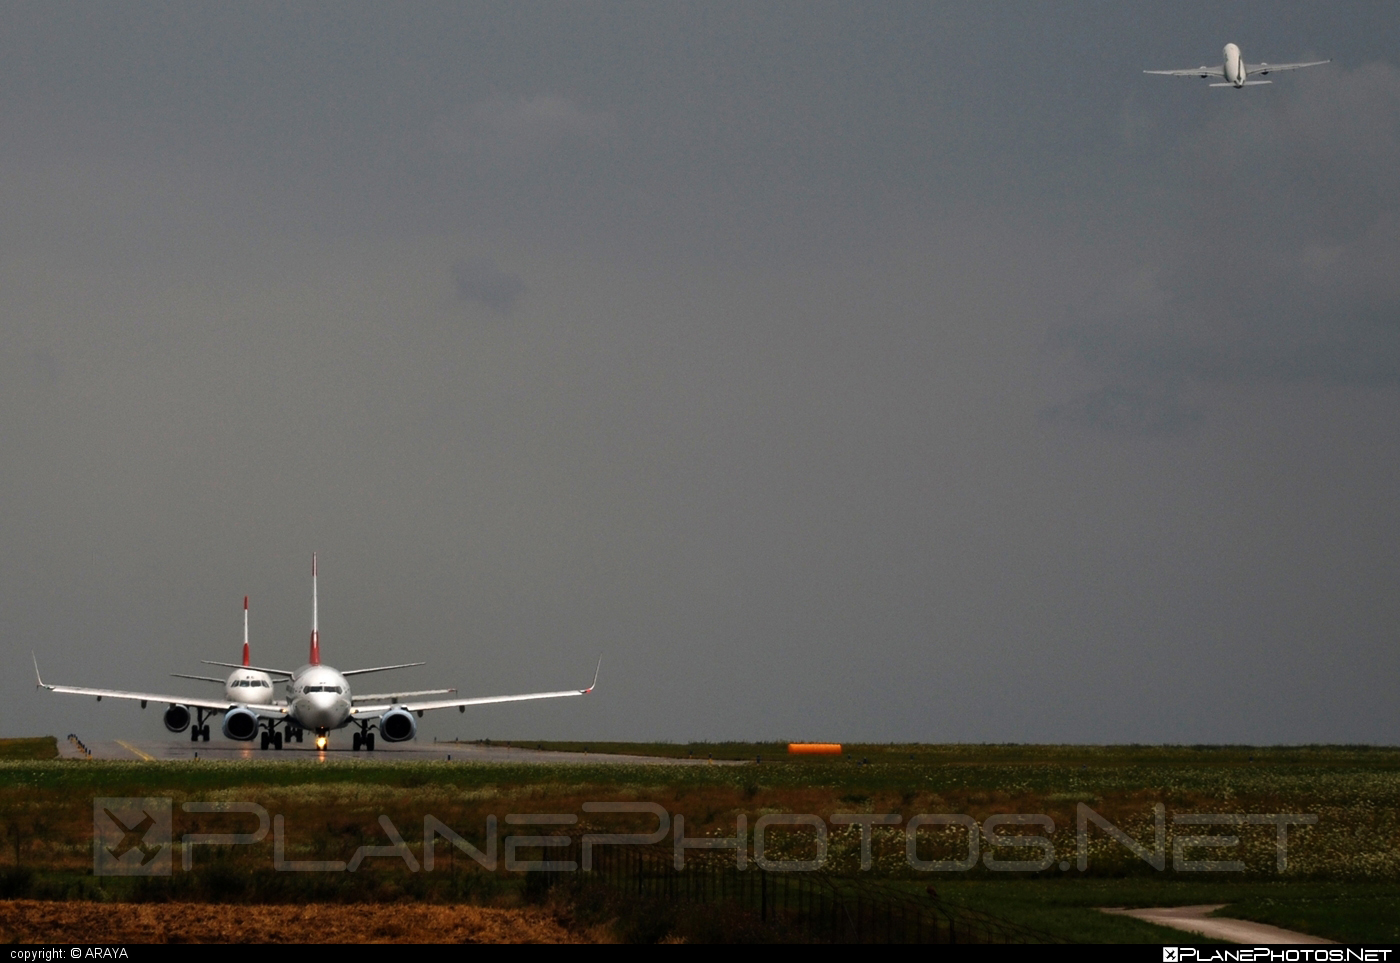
200	678
255	668
1247	83
382	668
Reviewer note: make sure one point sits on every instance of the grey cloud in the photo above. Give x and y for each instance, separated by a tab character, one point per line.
514	129
481	280
774	406
44	365
1139	409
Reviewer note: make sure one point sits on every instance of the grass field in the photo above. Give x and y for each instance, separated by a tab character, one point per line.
42	747
1342	878
1348	912
1016	753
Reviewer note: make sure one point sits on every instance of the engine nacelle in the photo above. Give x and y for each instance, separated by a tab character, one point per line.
177	718
398	725
240	724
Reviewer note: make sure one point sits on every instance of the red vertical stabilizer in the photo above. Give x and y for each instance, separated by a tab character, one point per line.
245	631
315	633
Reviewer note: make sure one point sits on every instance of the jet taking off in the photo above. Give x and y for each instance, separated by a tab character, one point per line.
317	698
1235	72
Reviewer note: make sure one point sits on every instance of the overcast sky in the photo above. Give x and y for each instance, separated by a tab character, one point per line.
885	372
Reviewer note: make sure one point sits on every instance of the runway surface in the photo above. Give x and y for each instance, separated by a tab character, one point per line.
222	749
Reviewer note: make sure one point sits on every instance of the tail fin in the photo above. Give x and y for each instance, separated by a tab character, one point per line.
315	633
246	660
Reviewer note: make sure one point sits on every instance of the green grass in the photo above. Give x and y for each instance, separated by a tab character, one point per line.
1345	913
39	747
993	754
1343	881
1070	907
724	751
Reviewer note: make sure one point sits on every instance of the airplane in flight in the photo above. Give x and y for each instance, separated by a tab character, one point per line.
317	697
1235	72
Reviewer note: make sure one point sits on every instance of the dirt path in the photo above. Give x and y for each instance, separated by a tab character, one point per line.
1197	919
34	921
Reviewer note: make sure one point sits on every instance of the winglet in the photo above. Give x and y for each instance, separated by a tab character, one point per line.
246	660
37	678
595	677
315	631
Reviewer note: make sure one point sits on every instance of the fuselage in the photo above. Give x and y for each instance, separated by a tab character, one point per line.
1234	65
318	698
249	686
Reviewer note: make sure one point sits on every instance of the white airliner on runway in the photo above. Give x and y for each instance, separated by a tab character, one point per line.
244	685
317	698
1235	72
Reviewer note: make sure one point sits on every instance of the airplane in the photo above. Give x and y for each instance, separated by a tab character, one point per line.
318	698
249	685
245	684
1235	72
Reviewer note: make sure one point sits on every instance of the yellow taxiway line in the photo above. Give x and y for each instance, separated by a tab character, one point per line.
146	756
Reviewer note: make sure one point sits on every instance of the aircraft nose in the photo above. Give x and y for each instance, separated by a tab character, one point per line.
319	710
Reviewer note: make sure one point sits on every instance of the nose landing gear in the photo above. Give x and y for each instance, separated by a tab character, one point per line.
199	730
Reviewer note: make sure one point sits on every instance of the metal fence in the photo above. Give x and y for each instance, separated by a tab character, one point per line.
815	906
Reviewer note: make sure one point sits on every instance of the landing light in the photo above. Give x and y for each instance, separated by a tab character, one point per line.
321	742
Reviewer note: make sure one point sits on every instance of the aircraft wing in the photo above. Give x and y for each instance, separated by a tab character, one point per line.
399	696
217	705
1198	72
370	712
1271	68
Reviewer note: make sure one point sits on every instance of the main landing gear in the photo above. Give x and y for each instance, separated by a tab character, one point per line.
274	739
364	739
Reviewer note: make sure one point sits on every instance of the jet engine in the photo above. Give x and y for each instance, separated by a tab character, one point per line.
177	718
240	724
397	725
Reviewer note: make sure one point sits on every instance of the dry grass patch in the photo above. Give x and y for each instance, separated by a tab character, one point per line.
35	921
